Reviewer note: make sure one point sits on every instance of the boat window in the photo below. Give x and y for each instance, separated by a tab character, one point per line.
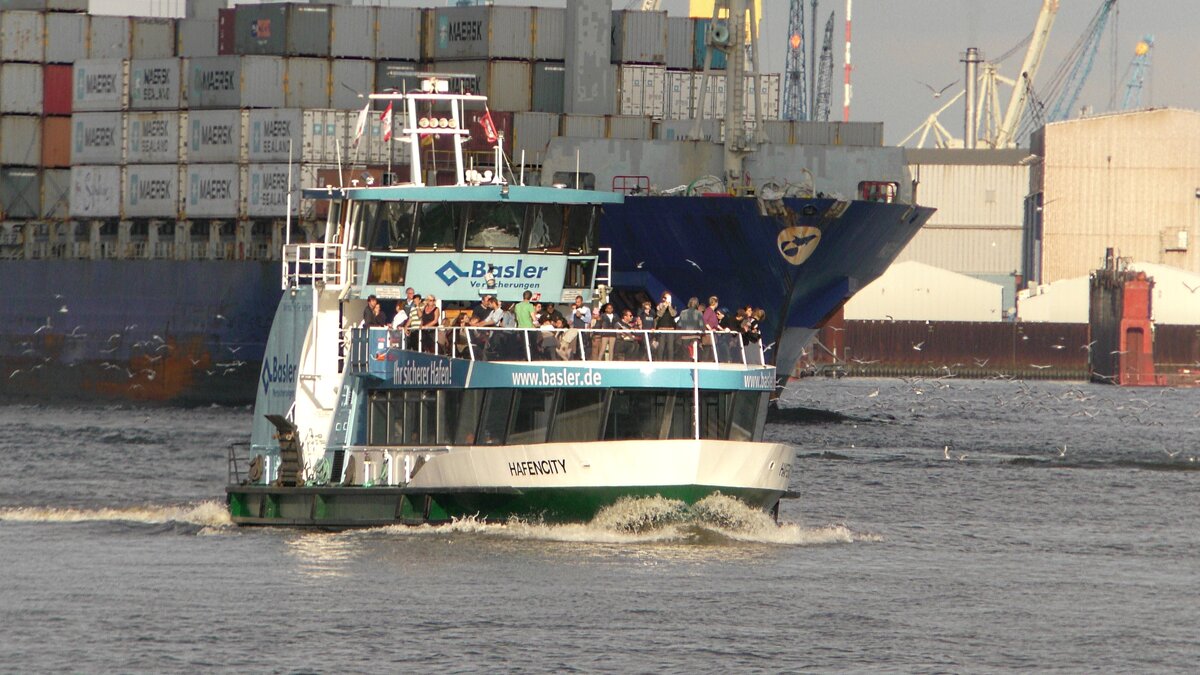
714	413
580	413
495	225
580	222
463	407
377	415
438	225
363	219
402	418
395	222
746	416
545	227
582	180
494	417
530	416
637	414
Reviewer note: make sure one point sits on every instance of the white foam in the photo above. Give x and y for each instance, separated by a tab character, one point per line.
208	514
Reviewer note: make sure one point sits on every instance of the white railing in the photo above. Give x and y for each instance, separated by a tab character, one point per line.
312	264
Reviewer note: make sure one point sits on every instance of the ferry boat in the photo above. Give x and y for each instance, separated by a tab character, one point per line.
359	426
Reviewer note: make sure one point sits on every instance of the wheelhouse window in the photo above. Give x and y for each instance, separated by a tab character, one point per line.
438	224
402	418
395	222
495	226
545	227
493	420
581	220
579	415
362	216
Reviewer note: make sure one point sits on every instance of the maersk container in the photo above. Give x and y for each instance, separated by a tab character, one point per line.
307	83
282	29
237	82
151	191
56	194
97	138
155	84
700	47
100	84
151	38
681	42
584	126
397	34
211	191
532	132
371	148
348	79
108	37
266	190
642	90
196	38
56	141
66	37
95	191
481	32
639	37
21	88
549	81
549	29
507	84
20	140
56	89
352	32
216	136
273	132
153	137
20	193
23	36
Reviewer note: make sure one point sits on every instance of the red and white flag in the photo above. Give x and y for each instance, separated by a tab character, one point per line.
489	127
386	120
361	125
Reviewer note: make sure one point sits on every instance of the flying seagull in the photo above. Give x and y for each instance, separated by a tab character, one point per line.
937	93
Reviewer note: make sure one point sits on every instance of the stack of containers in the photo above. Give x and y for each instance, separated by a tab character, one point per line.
22	59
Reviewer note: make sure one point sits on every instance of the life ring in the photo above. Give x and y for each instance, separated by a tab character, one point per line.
255	473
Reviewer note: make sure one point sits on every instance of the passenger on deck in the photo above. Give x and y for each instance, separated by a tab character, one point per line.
628	344
414	320
430	318
461	322
645	316
711	321
399	324
523	311
691	319
412	301
373	316
604	345
568	339
664	320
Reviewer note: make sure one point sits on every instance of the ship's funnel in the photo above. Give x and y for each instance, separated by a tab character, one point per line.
969	103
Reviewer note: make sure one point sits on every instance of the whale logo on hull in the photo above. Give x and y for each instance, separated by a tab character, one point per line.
796	244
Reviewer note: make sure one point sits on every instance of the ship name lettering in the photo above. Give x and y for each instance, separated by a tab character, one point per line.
541	467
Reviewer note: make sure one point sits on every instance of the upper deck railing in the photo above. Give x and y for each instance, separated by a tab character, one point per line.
313	264
368	346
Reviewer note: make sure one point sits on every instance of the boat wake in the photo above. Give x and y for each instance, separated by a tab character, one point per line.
209	515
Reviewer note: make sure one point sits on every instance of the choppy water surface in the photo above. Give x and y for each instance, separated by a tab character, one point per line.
948	526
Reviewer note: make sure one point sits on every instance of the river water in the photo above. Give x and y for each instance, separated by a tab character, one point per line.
946	526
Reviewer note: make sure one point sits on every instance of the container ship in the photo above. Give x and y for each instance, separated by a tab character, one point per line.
153	168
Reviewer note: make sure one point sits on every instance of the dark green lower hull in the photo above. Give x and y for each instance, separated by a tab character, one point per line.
349	507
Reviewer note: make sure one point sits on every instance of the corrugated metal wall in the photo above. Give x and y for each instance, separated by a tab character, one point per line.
971	250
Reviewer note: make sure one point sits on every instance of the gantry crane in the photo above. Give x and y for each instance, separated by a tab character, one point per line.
1081	58
821	103
1137	73
795	102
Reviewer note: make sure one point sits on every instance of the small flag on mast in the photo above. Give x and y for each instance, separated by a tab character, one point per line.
361	125
489	127
386	120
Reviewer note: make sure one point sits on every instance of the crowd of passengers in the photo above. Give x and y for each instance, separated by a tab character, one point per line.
700	332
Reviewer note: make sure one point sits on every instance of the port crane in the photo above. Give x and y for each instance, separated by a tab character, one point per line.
795	103
824	75
1137	73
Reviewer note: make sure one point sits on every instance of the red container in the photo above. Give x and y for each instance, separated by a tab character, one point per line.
56	142
225	31
56	89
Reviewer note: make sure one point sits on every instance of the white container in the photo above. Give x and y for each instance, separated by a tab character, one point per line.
236	82
21	88
347	79
97	138
155	84
216	136
96	191
151	191
22	36
307	83
108	37
266	189
151	38
66	37
56	194
212	191
196	38
100	84
20	140
642	90
677	97
273	132
153	137
352	32
398	34
768	92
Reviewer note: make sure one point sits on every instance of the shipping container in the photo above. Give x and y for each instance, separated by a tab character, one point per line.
56	89
584	126
151	38
21	88
397	34
20	193
677	95
282	29
682	130
636	127
151	191
56	194
237	82
350	82
67	5
768	93
56	142
681	46
66	37
307	83
23	36
642	90
23	5
196	38
713	105
153	137
507	84
549	81
310	135
532	132
20	140
549	29
778	131
266	190
700	47
216	136
108	37
639	37
226	23
96	191
155	84
100	84
481	32
97	138
212	191
352	32
591	80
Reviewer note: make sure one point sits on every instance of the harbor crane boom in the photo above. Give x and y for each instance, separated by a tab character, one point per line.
1082	67
795	103
1005	138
